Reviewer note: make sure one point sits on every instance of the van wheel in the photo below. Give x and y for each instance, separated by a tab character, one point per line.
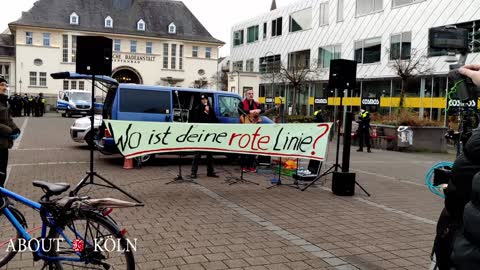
69	114
64	114
146	159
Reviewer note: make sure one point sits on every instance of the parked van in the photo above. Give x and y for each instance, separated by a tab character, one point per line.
162	104
75	102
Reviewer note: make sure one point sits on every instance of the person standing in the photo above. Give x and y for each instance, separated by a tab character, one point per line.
203	113
364	130
41	105
249	111
8	130
26	106
318	116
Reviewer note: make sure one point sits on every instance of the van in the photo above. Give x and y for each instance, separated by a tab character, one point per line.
134	102
75	102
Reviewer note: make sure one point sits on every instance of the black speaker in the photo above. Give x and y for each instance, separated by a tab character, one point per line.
343	74
343	184
94	55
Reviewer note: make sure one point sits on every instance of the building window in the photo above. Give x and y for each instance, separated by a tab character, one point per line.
194	51
299	60
397	3
301	20
269	64
165	55
81	85
277	27
29	38
149	47
208	52
73	85
324	13
141	25
133	46
365	7
252	34
74	48
33	78
327	53
264	30
238	66
238	38
46	39
108	22
368	50
117	45
4	71
65	85
173	62
340	7
401	46
65	48
180	57
43	78
172	29
74	18
249	65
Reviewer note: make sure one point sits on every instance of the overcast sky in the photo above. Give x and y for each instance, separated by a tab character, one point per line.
217	16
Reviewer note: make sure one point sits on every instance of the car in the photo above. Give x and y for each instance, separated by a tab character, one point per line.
80	130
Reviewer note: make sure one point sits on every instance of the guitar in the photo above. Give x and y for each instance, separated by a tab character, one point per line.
254	118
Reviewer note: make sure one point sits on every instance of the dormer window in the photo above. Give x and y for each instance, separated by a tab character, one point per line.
108	22
74	18
172	29
141	25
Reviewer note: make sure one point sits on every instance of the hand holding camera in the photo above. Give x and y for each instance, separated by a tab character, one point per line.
472	71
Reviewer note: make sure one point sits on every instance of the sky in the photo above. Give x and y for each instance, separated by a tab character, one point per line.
217	16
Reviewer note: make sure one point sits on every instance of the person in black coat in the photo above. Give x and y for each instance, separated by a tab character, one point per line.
203	113
363	130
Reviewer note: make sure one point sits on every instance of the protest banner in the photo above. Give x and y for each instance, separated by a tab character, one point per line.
135	139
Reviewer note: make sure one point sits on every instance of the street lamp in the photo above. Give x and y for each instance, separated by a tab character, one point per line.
20	82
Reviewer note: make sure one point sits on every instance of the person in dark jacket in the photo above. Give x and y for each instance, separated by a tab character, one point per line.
364	130
8	130
26	106
466	249
203	113
458	194
318	116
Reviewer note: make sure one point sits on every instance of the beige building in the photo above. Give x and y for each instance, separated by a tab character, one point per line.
154	43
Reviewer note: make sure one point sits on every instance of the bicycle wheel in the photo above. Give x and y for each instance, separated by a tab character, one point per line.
9	237
101	243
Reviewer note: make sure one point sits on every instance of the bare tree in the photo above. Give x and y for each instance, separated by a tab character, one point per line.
220	79
416	65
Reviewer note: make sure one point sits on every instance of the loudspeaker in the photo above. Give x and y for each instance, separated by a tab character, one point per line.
343	184
343	74
94	55
347	141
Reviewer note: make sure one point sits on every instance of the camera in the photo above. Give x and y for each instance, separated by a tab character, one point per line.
455	40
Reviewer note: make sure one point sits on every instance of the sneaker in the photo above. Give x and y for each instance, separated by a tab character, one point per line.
252	169
244	170
193	176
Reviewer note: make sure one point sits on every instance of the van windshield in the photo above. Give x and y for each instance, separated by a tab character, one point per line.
79	96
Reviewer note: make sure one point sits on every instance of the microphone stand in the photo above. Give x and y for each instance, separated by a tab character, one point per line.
179	178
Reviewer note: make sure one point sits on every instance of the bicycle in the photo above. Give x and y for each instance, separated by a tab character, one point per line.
76	231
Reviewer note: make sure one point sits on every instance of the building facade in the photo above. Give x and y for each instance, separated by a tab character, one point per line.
375	33
154	43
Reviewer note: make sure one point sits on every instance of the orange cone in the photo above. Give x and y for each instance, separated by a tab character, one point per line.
128	164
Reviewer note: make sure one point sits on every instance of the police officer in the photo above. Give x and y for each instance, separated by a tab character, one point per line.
31	105
41	106
203	113
26	107
318	116
364	130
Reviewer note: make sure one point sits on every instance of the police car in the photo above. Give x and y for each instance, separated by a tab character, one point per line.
80	130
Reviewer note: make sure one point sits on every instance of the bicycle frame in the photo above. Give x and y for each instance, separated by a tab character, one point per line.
17	224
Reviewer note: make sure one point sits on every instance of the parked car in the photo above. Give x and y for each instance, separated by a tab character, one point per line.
80	131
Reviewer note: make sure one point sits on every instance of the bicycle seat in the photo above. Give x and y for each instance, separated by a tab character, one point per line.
51	188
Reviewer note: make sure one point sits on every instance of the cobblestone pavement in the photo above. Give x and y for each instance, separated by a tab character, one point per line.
214	225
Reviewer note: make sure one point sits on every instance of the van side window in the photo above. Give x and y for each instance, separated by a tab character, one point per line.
228	106
144	101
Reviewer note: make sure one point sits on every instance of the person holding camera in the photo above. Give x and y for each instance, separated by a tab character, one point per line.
452	236
8	130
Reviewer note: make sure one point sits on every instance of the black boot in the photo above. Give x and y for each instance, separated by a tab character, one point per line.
193	175
359	150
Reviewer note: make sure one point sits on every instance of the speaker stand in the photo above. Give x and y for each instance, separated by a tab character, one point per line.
179	179
91	174
235	180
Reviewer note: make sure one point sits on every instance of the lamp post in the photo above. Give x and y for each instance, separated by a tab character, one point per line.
20	82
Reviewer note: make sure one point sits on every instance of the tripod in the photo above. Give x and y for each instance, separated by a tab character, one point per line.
91	174
179	178
235	180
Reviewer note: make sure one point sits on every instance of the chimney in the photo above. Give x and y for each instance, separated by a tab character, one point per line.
274	5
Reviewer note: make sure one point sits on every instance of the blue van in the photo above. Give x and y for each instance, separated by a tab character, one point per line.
134	102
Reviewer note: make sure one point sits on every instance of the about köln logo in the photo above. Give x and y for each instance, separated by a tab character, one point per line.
78	245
